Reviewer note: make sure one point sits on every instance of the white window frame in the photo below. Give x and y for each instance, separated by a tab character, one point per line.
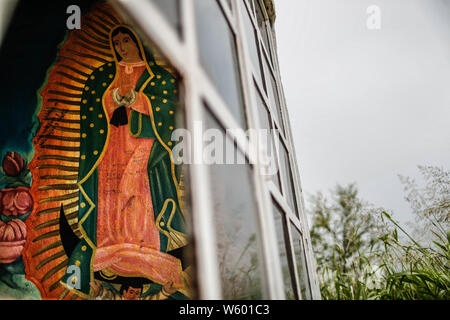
182	53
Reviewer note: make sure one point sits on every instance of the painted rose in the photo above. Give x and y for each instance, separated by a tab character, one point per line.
13	236
13	164
15	201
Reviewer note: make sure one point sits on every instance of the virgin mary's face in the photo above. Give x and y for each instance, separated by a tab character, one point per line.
126	48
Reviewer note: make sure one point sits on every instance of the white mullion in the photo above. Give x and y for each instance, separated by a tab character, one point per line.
188	65
224	116
295	221
272	124
277	148
299	192
209	282
290	220
303	250
269	108
184	59
266	53
249	5
286	136
283	137
260	85
281	97
311	267
282	202
202	208
228	13
272	267
296	176
257	48
273	106
294	261
264	48
253	18
275	193
270	46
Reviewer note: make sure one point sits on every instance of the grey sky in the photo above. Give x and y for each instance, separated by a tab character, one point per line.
366	105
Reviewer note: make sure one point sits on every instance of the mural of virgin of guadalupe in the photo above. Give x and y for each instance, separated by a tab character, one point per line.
129	210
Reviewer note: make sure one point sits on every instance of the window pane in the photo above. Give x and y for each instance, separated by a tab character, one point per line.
252	42
170	8
286	171
265	120
273	94
218	57
282	239
112	205
300	260
236	224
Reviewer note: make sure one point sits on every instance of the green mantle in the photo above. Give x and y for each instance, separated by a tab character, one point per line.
159	86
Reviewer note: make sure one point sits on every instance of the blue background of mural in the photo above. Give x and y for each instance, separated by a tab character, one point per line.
28	50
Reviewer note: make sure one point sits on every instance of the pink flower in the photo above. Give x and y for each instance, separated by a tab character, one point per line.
13	236
15	201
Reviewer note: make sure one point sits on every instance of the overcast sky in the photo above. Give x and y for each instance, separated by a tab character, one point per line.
366	105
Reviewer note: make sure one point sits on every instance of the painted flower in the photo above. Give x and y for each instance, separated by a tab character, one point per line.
15	201
13	164
13	236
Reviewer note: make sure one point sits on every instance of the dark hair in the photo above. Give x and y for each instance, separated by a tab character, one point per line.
132	36
125	287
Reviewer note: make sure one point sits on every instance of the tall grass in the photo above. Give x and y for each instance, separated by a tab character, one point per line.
399	270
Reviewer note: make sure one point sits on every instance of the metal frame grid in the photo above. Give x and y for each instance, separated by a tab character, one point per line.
182	53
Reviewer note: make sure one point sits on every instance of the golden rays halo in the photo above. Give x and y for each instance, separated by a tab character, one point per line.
56	161
55	165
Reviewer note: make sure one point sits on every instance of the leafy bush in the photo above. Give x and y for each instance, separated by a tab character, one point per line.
358	262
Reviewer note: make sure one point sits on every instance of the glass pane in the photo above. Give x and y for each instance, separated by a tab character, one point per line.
273	94
286	171
109	204
282	239
300	259
236	224
265	120
218	55
170	8
252	41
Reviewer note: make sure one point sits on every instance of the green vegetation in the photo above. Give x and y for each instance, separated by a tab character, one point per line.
363	253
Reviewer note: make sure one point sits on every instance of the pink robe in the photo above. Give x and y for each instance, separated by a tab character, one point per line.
127	238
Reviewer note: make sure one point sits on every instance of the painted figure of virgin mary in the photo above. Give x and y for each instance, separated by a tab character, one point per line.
129	210
118	219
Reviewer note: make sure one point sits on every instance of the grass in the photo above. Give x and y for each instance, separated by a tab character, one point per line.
396	271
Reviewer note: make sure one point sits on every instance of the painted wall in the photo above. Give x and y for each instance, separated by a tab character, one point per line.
90	198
